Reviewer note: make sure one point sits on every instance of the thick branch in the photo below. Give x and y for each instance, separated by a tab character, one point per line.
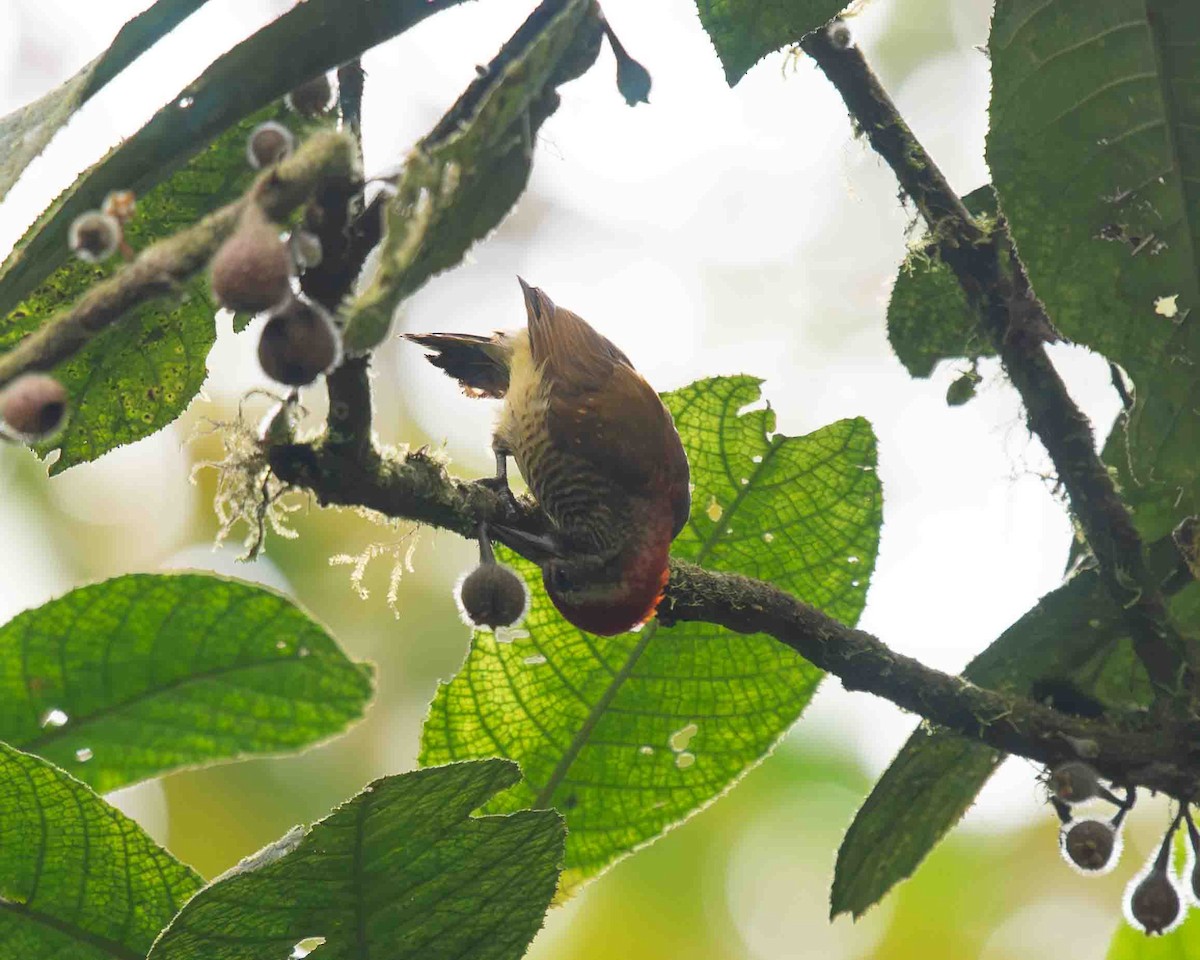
160	269
995	284
417	487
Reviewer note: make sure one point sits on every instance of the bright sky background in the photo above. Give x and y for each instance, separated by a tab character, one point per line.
714	231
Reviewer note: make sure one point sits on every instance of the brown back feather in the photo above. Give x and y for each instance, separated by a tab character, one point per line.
603	409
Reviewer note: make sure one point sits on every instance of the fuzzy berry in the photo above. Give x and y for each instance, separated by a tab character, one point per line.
268	143
493	595
252	270
33	407
94	236
299	343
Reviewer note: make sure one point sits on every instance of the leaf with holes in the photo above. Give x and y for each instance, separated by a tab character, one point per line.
745	31
928	317
135	676
140	374
632	734
401	871
25	132
1094	146
78	878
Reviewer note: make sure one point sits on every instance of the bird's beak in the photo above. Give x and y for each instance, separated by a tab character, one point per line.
537	304
536	547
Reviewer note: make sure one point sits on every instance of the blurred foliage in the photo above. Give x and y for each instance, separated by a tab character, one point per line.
24	132
136	676
462	179
628	735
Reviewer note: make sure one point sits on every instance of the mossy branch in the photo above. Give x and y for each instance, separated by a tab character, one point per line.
161	269
1129	750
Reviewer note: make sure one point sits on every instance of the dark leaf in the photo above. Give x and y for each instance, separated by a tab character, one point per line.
745	31
78	879
400	871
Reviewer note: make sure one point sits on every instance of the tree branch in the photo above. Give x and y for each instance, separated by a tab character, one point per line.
996	286
1131	750
160	269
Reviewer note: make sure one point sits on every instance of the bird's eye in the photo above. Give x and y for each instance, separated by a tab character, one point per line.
560	579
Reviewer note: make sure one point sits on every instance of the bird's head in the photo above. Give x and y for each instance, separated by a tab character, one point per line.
602	595
608	597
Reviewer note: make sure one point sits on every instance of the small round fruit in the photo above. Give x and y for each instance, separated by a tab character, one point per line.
33	407
313	98
94	236
268	143
1154	904
299	343
252	270
493	595
1089	844
1074	782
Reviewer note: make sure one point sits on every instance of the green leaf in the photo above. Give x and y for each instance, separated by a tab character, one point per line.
1180	944
461	180
630	735
1075	636
78	878
928	317
140	374
745	31
135	676
311	38
401	871
27	130
1094	145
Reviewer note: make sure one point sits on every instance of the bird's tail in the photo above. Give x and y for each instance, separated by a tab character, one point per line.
480	364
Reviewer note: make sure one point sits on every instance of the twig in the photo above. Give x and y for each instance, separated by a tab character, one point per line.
995	284
417	487
160	269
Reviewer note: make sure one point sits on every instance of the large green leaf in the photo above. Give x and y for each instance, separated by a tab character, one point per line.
140	374
928	317
78	879
632	734
1073	640
1094	145
27	130
745	31
129	678
310	38
461	180
401	871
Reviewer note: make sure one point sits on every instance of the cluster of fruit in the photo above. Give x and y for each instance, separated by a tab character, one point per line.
252	272
1154	898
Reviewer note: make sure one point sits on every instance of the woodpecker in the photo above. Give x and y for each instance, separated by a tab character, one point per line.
598	450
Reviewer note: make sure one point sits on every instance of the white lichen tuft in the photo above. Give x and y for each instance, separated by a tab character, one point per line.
247	491
400	550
